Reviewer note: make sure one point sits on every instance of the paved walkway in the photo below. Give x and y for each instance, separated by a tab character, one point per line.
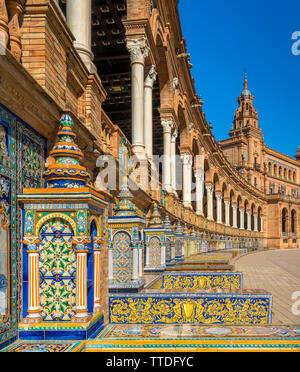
277	272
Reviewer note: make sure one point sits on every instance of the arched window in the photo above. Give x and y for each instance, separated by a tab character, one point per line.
270	168
275	170
284	173
284	221
293	222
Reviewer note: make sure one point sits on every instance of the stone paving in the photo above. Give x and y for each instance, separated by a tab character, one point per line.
277	272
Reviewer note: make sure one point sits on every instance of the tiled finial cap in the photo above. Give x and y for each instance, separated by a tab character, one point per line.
67	171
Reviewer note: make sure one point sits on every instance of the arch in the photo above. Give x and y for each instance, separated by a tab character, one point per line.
156	25
96	221
51	216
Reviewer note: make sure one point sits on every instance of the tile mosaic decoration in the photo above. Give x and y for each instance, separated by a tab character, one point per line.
44	347
195	331
212	308
20	148
202	281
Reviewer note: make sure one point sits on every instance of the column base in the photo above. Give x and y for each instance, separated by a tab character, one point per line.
139	151
32	319
81	317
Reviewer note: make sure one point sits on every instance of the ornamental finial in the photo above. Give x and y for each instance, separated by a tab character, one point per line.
67	171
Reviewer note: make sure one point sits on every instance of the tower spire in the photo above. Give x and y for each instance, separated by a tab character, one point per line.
245	80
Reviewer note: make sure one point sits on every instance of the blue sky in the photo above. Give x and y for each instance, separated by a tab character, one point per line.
226	36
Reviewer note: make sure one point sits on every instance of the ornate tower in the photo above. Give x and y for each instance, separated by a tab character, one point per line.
246	117
245	147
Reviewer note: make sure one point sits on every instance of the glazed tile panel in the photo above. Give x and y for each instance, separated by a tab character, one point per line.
22	155
199	281
231	309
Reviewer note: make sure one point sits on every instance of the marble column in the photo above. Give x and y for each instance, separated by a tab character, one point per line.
34	307
15	8
79	19
242	219
167	130
173	161
249	214
261	224
148	111
81	309
234	216
227	212
210	205
199	193
219	208
3	26
138	52
255	217
187	161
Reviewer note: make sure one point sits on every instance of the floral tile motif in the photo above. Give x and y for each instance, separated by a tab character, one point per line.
43	347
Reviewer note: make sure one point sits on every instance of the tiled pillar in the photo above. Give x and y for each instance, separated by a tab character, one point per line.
97	270
135	262
34	308
81	250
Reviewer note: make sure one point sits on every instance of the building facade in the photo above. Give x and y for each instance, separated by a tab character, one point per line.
83	79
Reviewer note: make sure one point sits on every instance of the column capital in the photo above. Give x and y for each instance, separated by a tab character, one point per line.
151	77
32	243
209	187
138	50
167	125
174	136
199	176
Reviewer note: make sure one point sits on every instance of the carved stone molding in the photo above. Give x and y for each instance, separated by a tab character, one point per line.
3	24
151	77
138	50
15	8
167	125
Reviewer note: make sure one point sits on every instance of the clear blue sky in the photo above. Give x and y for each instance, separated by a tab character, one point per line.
226	36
